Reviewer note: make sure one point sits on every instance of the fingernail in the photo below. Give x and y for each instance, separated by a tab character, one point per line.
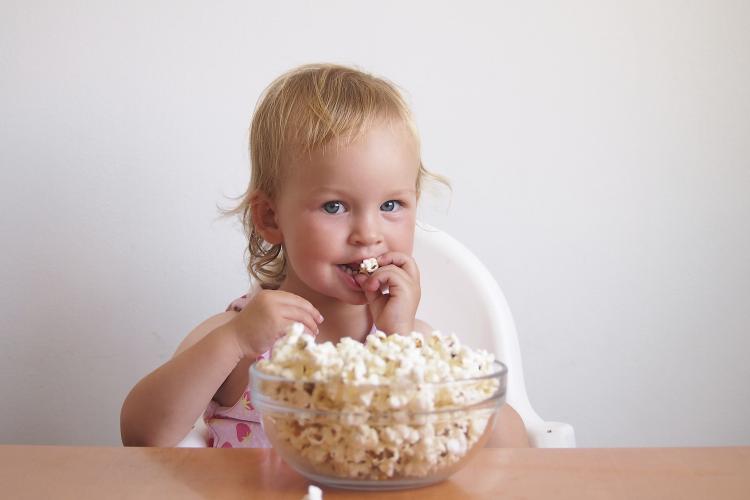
320	318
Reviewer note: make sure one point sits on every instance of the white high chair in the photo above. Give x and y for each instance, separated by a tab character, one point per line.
460	295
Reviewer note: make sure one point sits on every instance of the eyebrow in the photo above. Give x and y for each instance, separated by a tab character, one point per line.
402	192
396	193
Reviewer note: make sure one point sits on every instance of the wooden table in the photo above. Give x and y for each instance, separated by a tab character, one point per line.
659	473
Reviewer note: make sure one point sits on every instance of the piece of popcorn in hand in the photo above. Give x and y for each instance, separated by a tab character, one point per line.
368	266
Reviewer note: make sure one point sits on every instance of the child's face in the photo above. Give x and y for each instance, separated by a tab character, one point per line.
336	209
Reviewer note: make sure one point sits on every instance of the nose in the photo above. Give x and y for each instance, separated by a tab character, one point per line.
366	231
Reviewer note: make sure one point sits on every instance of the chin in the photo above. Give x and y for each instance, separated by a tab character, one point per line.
358	302
345	296
354	299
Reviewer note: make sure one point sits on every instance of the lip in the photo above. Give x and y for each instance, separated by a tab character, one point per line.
348	279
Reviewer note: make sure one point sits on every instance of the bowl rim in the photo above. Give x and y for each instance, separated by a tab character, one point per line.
500	372
269	404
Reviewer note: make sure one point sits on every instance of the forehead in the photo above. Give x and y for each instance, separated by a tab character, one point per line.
385	155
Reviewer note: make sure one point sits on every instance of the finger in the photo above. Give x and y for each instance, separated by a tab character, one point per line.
294	300
368	284
295	314
372	292
387	277
401	260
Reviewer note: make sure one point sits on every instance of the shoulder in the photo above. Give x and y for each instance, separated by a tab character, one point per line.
422	327
204	329
510	431
217	320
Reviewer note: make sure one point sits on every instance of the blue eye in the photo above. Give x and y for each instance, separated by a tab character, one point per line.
390	206
333	207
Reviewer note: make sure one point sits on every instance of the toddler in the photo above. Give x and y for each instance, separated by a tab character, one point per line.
336	175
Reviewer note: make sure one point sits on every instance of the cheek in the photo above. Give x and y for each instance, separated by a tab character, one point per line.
403	239
311	239
408	243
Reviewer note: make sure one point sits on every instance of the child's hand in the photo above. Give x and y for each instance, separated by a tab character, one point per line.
393	312
267	316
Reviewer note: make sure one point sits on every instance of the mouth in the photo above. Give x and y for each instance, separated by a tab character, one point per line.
347	273
351	268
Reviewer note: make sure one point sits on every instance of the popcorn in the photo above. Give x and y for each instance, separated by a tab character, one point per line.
313	493
368	266
399	402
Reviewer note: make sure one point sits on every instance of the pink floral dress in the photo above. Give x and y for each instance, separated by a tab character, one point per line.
237	426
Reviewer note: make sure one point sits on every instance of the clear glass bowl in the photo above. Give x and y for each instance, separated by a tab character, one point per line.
371	446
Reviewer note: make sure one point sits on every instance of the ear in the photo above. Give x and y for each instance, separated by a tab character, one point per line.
263	211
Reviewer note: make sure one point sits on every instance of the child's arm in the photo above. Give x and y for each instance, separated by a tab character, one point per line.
161	409
509	432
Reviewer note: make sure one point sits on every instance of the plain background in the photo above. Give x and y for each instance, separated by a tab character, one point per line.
599	154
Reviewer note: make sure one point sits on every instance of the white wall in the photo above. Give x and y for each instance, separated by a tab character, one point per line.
599	154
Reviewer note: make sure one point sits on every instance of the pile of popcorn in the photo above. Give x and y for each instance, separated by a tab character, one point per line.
399	402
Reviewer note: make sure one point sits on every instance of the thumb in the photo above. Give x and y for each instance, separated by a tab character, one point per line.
370	295
360	279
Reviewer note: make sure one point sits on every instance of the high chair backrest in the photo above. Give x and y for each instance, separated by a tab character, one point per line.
459	295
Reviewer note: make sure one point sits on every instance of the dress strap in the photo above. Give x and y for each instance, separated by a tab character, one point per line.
239	304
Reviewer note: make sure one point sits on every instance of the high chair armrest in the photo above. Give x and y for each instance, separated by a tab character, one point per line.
551	435
197	437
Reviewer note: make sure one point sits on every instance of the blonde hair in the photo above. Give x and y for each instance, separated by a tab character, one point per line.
302	111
